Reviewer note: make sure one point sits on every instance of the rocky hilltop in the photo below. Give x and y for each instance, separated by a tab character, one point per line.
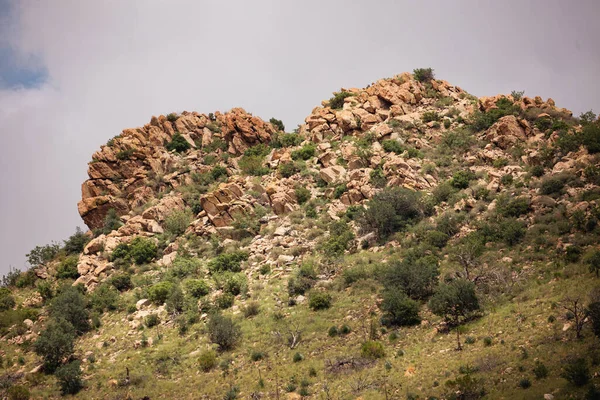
337	248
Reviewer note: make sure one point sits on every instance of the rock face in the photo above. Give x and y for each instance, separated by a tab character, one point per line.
130	170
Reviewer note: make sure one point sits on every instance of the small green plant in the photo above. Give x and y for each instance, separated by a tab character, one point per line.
160	292
297	357
430	116
487	341
152	320
333	331
319	300
69	377
223	331
302	194
197	288
207	360
288	169
306	152
178	143
337	101
277	124
228	262
540	370
423	74
577	372
372	350
18	392
525	383
224	300
392	146
172	117
125	154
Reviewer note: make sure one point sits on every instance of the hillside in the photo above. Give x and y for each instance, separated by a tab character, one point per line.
409	240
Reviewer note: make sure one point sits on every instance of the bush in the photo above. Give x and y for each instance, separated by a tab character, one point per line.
390	211
44	288
277	124
537	171
76	242
71	305
592	259
540	371
160	292
399	309
152	320
306	152
461	179
55	343
184	266
594	314
197	288
142	250
121	282
333	331
513	208
105	297
415	276
302	194
339	190
228	262
111	222
319	301
423	74
125	154
577	372
430	116
297	357
512	231
69	377
207	360
235	284
253	165
288	169
339	240
436	238
525	383
459	139
372	350
67	269
224	300
487	341
177	221
176	300
42	254
591	137
552	185
251	309
7	301
483	120
178	143
18	392
337	101
392	146
223	331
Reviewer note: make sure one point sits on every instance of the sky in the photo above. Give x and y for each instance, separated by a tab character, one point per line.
75	73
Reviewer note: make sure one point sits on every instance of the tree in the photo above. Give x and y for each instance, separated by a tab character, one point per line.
178	143
467	254
76	242
574	305
593	261
223	331
423	74
390	211
455	302
7	301
399	309
55	343
415	276
69	377
277	124
42	254
70	305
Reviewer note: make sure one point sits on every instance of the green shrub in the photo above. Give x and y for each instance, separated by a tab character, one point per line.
235	284
392	146
121	282
223	331
172	117
443	191
540	370
591	137
513	208
339	240
177	221
577	372
288	169
76	242
414	276
228	262
207	360
178	143
55	343
176	300
44	288
142	250
71	305
299	285
7	301
251	309
436	238
152	320
184	266
333	331
594	315
105	297
17	392
345	329
339	190
487	341
69	377
111	222
399	309
447	123
160	292
461	179
552	185
512	231
483	120
459	139
224	301
525	383
253	165
125	154
390	211
592	259
372	350
297	357
302	194
277	124
376	178
197	288
42	254
337	101
430	116
537	171
423	74
257	355
506	180
319	300
67	269
306	152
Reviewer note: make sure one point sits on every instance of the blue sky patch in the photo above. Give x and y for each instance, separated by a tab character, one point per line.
18	72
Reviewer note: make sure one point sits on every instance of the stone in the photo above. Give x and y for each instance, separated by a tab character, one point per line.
142	303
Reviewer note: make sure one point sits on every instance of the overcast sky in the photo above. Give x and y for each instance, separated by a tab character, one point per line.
75	73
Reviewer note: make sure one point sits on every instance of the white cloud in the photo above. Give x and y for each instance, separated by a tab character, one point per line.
113	64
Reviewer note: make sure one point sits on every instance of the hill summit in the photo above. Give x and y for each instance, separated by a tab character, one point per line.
229	259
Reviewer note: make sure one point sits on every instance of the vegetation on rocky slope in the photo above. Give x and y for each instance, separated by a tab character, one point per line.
408	241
